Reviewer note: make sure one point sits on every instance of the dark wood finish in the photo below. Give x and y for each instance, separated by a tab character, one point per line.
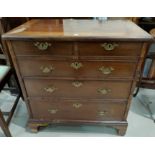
12	22
151	55
88	89
69	48
10	78
147	23
132	49
4	126
149	80
3	47
152	70
77	66
6	25
69	110
147	83
6	73
10	114
29	48
62	68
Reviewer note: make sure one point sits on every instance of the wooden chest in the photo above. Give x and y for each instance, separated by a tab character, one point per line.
78	71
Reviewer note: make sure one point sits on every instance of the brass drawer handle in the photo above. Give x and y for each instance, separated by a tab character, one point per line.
106	70
53	111
109	46
76	65
103	91
77	84
102	113
46	69
50	89
42	45
77	105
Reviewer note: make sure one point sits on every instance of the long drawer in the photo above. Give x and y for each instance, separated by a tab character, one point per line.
82	48
77	110
94	69
77	88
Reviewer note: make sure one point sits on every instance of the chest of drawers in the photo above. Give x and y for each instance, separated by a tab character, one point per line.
78	71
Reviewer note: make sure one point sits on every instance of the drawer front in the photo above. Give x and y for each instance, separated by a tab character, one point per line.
93	69
83	48
77	110
77	89
109	49
42	48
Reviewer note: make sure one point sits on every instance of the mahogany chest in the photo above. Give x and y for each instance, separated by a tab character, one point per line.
78	71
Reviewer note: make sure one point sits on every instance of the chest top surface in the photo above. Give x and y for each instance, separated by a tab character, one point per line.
70	29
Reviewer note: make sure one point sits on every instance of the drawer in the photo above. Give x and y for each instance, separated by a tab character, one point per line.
93	69
109	49
42	48
77	89
77	110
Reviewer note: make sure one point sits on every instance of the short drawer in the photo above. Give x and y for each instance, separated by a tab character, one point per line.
42	48
109	49
77	110
77	88
84	69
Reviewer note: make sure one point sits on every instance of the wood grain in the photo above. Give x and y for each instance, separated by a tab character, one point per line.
72	58
90	69
65	110
68	29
